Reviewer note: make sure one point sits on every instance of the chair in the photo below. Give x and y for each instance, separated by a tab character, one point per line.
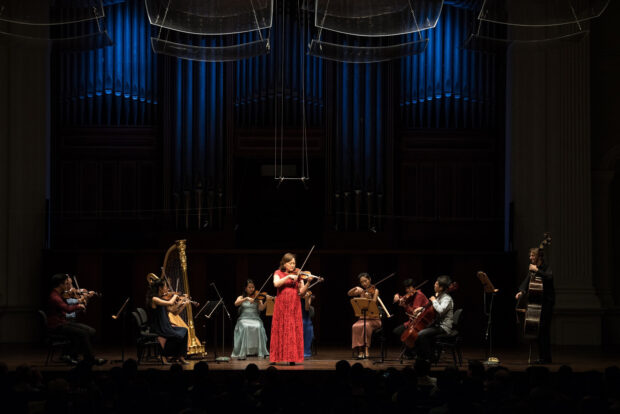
52	341
451	342
379	336
146	341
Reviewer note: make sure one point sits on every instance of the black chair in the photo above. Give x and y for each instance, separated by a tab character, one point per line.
451	342
147	344
378	336
53	342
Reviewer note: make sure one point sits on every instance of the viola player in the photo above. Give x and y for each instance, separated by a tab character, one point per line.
367	291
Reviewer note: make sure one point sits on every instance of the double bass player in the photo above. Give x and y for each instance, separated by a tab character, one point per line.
538	268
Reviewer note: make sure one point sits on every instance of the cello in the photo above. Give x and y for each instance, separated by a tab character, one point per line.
422	321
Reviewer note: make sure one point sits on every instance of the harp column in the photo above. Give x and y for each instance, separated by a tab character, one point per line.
195	347
548	147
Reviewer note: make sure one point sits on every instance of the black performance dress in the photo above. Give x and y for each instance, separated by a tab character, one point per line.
176	337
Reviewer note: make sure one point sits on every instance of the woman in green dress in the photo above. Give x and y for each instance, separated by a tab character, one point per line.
250	336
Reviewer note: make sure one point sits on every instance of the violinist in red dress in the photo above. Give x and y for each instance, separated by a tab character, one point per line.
287	334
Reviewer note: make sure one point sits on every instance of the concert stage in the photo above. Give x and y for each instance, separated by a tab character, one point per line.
580	359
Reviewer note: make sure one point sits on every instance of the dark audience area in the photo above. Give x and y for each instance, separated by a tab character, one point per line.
350	388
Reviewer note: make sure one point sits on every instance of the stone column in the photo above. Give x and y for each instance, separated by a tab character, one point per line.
24	136
548	128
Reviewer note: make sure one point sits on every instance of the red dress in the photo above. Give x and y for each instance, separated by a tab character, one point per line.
287	333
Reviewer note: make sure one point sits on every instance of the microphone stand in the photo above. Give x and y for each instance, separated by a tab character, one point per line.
121	312
222	358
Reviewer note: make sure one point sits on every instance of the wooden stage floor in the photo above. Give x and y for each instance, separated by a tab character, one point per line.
579	358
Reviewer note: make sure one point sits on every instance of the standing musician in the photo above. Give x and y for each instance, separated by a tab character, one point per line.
250	337
367	291
173	339
410	301
539	268
287	335
307	313
79	334
444	308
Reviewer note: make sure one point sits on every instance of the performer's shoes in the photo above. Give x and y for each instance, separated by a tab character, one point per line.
291	363
183	361
99	361
68	359
542	362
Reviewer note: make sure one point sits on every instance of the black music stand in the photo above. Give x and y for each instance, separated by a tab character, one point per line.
488	289
210	315
121	314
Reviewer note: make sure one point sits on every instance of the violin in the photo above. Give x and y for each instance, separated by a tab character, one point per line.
74	293
369	292
402	301
262	296
304	275
181	296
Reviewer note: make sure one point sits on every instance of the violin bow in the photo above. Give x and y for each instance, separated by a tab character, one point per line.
77	285
385	278
266	280
315	282
421	284
307	257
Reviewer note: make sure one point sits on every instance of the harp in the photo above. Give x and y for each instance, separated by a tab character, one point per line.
175	272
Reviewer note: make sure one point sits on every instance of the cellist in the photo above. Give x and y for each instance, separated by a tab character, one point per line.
412	299
443	306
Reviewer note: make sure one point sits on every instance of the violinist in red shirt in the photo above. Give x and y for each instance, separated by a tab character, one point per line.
79	334
411	301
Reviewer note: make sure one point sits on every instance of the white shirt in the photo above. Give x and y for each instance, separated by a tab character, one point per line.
445	312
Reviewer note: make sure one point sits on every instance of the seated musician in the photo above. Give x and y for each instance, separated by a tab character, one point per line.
173	339
366	291
79	334
410	301
250	337
72	296
443	305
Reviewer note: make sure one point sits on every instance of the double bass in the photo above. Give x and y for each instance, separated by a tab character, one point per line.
531	324
422	321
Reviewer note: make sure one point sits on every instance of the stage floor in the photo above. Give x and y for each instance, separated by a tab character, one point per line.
579	358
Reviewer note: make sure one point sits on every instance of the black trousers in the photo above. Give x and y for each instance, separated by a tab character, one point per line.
544	333
426	341
80	336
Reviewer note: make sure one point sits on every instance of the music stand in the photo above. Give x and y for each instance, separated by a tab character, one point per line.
270	302
365	308
209	315
121	313
488	288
